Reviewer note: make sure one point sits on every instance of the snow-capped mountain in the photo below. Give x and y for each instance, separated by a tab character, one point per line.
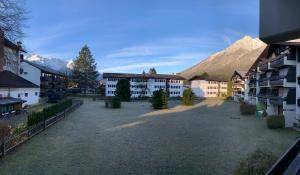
53	63
239	56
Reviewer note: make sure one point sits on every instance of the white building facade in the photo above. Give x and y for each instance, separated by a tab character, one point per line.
238	80
143	85
273	83
208	87
17	87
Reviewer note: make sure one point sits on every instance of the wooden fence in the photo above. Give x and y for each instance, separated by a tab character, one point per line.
16	140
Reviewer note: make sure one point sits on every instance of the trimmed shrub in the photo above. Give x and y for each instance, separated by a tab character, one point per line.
247	109
257	163
188	97
159	99
123	90
116	102
275	121
48	112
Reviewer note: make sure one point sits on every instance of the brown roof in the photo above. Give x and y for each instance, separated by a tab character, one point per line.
207	78
11	80
44	68
154	76
242	74
10	44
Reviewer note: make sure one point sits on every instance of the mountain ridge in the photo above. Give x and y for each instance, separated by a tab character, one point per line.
239	56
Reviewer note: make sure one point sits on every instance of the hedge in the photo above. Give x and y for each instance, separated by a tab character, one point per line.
48	112
275	121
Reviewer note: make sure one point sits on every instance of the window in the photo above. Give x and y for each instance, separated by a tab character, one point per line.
19	95
36	93
26	94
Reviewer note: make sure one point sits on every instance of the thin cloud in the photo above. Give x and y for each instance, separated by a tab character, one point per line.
140	65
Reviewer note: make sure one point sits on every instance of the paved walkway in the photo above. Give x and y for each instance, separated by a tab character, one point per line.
202	139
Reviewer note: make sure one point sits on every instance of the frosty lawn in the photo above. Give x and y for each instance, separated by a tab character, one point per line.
204	139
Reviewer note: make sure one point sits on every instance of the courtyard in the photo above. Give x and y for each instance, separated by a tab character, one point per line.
208	138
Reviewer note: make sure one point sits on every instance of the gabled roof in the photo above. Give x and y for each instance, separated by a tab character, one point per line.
44	68
207	78
11	80
10	44
261	58
154	76
240	73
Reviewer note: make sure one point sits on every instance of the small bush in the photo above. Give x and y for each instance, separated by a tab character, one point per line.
275	121
188	97
20	128
159	99
116	102
247	109
257	163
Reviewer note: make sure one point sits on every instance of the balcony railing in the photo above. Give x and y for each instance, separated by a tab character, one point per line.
263	81
277	80
278	62
264	67
262	98
290	98
282	60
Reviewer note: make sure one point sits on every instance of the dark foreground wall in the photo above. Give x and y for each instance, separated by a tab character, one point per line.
279	20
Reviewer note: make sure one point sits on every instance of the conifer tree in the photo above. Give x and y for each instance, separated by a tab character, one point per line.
123	90
84	72
152	71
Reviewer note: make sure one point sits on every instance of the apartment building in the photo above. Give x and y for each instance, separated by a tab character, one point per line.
15	91
53	84
273	82
143	85
238	80
205	87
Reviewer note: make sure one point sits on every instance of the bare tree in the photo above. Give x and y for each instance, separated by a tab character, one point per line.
12	18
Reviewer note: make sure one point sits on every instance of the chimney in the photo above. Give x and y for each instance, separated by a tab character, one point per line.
2	60
21	57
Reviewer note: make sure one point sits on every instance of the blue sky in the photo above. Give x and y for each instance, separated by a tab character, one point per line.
133	35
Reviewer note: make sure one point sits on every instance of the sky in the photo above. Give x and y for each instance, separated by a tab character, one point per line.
134	35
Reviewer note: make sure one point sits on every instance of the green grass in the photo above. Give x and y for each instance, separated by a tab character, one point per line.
207	138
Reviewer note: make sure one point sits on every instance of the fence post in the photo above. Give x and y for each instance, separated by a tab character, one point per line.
44	123
2	147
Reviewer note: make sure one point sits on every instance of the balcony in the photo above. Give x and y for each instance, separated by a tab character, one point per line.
285	78
252	93
263	81
263	95
283	60
263	98
290	98
264	67
252	83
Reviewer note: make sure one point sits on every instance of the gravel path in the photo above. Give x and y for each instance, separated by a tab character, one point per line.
203	139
